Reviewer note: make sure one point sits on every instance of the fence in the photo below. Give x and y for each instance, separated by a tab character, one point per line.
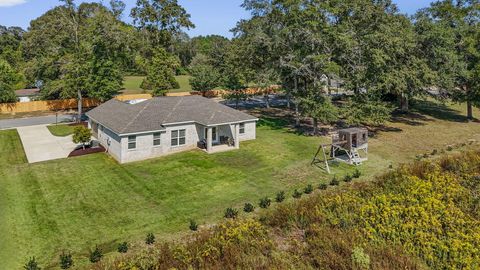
45	105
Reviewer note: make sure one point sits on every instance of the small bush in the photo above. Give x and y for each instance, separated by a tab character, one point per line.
150	239
280	197
297	194
32	264
265	202
360	259
96	255
434	152
308	189
231	213
356	173
122	247
248	207
323	186
449	148
334	181
426	155
66	260
347	178
193	225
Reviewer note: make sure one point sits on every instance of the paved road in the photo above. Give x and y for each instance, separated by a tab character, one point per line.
34	121
41	145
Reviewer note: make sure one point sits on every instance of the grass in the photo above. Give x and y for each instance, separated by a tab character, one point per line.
61	130
132	84
75	204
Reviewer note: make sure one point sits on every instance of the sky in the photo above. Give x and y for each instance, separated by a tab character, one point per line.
209	16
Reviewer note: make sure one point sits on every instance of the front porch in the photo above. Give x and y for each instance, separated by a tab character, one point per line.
221	138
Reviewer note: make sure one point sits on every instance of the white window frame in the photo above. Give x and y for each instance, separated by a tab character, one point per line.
132	139
157	139
178	138
241	128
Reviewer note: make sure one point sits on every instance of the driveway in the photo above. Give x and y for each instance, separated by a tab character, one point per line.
40	145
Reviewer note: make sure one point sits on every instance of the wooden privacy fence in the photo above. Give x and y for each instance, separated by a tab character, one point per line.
46	105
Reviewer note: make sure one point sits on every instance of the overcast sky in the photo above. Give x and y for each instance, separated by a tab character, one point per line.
209	16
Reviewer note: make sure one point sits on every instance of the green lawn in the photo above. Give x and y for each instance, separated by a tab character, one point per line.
132	84
77	203
61	130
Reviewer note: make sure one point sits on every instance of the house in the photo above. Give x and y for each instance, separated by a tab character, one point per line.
27	95
165	125
331	82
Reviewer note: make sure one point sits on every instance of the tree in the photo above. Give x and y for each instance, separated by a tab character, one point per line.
366	110
117	7
449	32
81	135
160	19
77	51
161	73
8	78
204	76
319	108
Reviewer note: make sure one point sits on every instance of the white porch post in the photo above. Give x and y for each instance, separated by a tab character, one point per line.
209	139
236	140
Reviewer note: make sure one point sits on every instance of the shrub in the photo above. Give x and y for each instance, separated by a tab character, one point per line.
122	247
334	181
297	194
265	202
193	225
360	259
449	148
323	186
248	207
231	213
347	178
280	197
356	173
150	239
434	152
81	135
426	155
32	264
308	189
96	255
66	260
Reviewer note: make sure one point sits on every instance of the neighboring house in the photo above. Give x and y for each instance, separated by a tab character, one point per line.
331	82
27	95
164	125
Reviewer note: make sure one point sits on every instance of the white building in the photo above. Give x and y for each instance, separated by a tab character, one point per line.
164	125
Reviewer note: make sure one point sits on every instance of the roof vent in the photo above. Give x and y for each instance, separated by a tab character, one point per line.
135	101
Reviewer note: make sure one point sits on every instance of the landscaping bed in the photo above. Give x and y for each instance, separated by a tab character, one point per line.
87	151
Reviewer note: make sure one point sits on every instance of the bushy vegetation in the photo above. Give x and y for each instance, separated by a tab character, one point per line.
96	255
122	247
66	260
265	202
420	216
248	207
230	213
193	225
150	239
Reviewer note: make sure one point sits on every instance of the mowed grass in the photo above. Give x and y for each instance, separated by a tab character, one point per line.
75	204
61	130
132	84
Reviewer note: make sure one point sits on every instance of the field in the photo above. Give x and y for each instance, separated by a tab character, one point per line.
75	204
132	84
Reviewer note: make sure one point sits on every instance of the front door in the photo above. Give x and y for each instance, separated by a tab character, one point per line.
214	134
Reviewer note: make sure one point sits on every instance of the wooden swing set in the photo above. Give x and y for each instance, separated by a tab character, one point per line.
349	146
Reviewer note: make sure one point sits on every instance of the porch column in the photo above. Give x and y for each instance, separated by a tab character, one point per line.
236	137
209	139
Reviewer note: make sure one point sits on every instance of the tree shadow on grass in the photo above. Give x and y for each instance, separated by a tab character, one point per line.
438	111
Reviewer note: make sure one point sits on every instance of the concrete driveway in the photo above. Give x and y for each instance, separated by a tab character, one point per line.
40	145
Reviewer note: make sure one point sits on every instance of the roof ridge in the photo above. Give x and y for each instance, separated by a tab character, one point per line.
147	103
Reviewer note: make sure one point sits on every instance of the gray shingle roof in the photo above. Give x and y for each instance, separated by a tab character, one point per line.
151	115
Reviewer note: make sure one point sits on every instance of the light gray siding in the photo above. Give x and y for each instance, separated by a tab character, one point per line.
117	146
146	150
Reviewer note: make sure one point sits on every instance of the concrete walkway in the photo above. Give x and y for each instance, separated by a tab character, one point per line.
41	145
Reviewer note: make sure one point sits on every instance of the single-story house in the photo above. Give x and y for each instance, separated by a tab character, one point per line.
164	125
27	95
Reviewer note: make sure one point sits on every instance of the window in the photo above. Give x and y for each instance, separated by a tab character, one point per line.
178	137
242	128
132	142
156	139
